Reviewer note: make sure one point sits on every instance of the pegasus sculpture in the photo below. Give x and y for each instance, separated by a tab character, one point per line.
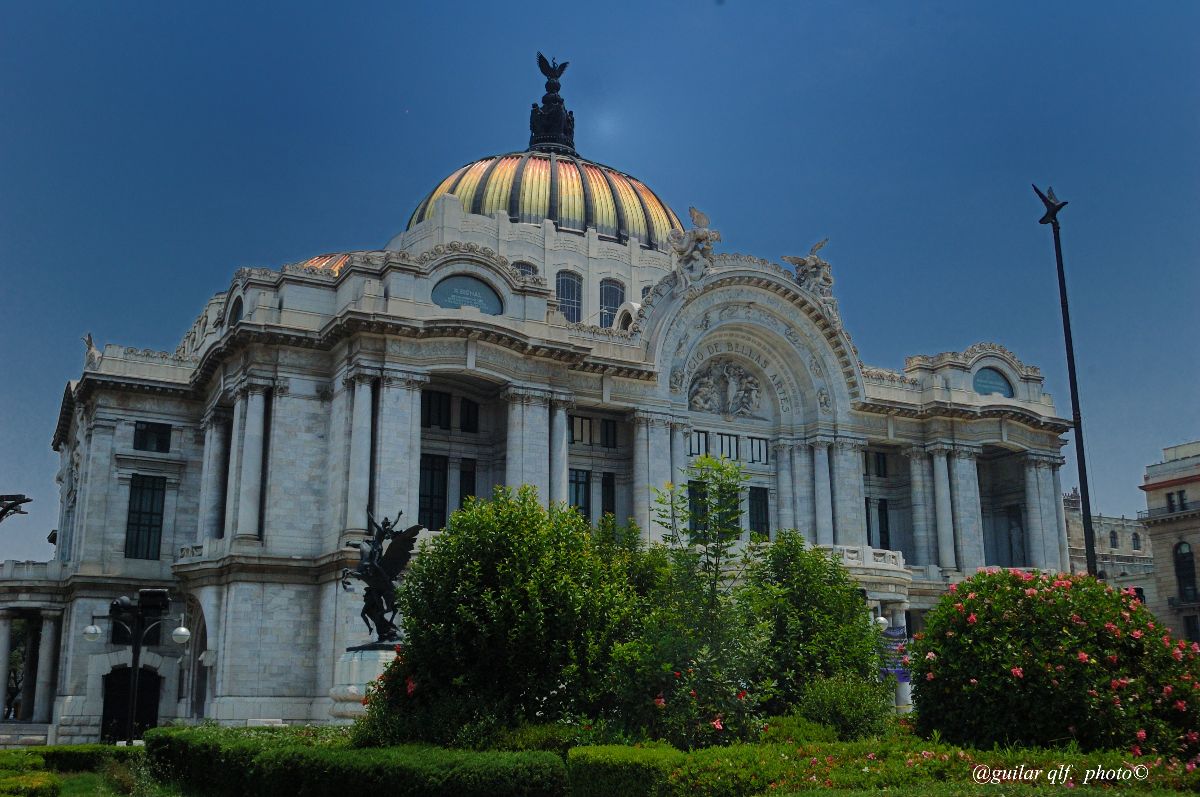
378	570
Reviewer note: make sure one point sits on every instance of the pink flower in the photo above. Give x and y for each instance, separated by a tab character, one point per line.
928	676
931	656
1136	634
1180	705
871	756
974	682
906	661
1112	659
970	596
716	723
1141	736
958	607
971	618
1137	751
1082	656
1167	690
677	673
410	685
741	695
954	588
1031	592
1017	672
692	693
660	701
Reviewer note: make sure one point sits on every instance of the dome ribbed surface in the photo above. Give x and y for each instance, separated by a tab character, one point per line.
574	193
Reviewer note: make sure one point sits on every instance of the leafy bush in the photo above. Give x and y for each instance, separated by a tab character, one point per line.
617	769
85	757
793	729
691	675
511	614
20	760
817	622
1014	658
854	707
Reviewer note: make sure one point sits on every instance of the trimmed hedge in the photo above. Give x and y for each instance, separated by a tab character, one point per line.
35	783
20	760
85	757
607	770
267	762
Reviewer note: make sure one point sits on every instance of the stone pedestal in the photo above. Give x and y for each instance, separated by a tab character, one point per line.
353	671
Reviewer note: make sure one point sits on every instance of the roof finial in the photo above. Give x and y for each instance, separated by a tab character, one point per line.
552	126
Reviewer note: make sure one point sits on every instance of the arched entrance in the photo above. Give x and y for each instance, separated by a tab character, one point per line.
116	703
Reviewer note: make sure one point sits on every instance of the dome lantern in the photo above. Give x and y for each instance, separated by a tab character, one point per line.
552	126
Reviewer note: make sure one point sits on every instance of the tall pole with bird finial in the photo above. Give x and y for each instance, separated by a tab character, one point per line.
1053	206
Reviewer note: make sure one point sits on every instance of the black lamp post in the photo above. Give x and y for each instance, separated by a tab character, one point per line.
138	618
1053	206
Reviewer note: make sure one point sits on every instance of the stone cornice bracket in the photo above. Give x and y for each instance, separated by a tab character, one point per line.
407	379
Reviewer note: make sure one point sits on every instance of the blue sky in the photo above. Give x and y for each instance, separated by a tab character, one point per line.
148	150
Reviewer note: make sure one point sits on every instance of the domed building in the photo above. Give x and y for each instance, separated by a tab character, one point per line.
545	320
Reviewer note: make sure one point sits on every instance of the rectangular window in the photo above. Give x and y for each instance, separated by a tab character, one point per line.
885	526
727	445
1191	628
881	464
698	444
581	430
608	433
697	498
143	530
581	492
758	511
608	493
1183	500
759	450
1170	502
466	480
468	416
435	410
431	508
152	437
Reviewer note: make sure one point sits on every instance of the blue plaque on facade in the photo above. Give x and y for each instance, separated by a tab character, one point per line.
989	380
462	290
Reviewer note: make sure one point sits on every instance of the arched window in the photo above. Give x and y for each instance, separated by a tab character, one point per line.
235	312
646	291
1136	541
989	380
612	296
528	269
1113	542
625	322
569	287
1185	572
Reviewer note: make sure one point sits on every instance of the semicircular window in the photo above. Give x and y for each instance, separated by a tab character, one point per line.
463	290
989	380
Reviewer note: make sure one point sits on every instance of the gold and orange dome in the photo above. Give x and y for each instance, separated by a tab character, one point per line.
574	193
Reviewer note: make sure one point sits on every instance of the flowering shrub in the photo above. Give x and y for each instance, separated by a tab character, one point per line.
1045	659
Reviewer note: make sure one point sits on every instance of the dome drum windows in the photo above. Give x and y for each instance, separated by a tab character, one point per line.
612	296
989	380
568	287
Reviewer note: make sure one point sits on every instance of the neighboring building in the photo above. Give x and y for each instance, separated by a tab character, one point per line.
1172	518
542	320
1123	553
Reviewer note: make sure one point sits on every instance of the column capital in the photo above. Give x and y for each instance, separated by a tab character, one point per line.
938	447
564	401
914	451
515	394
681	425
215	416
851	444
781	444
649	418
1041	459
359	375
398	377
50	615
247	387
819	442
965	452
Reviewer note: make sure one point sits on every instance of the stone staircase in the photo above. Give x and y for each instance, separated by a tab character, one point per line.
14	735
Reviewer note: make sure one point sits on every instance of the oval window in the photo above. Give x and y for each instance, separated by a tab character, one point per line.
462	290
989	380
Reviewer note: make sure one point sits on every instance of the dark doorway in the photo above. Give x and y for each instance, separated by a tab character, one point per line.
116	703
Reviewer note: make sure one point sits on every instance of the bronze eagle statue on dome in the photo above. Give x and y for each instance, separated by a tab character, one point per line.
551	69
378	570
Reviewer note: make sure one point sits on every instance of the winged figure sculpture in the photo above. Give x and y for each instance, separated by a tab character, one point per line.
378	569
551	69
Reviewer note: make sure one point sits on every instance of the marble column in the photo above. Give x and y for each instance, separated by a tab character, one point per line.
1050	546
822	493
804	517
514	473
849	500
212	481
658	446
398	449
358	490
43	694
559	462
781	450
1035	547
874	537
942	509
924	543
250	485
679	452
234	477
968	517
1060	518
6	619
641	472
535	440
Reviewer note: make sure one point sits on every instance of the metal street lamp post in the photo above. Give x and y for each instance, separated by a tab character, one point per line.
138	618
1053	206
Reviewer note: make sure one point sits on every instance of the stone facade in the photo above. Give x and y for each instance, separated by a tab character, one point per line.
1172	519
302	397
